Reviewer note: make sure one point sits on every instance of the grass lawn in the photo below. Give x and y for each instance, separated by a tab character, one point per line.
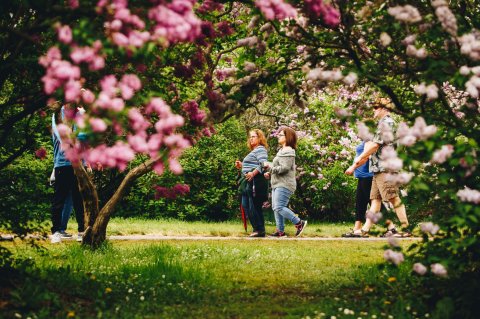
171	227
205	279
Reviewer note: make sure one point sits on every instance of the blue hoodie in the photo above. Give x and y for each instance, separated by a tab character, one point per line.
59	158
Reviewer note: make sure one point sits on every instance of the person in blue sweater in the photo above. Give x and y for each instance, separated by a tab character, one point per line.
256	192
362	195
65	184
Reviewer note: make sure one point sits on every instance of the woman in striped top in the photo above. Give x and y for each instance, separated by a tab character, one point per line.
256	191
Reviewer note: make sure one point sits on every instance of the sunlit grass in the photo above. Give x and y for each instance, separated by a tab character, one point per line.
204	279
173	227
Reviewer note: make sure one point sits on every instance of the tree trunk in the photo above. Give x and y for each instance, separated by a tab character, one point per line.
97	221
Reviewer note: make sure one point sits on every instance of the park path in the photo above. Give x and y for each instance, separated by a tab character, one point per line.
163	237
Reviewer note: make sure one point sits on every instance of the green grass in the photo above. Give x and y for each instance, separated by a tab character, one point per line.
172	227
204	279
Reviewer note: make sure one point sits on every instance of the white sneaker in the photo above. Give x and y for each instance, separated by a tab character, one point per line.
79	237
56	238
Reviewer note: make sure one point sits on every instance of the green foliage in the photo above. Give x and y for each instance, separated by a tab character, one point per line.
208	170
26	194
324	191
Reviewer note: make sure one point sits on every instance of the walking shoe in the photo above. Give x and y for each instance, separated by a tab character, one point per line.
390	232
257	234
403	234
353	234
79	237
278	233
300	227
65	234
56	238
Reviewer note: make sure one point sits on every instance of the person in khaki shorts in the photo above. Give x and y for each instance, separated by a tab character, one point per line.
382	190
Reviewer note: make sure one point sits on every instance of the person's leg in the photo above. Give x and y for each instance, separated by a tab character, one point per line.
61	190
364	187
400	210
77	202
279	220
258	210
246	208
375	204
67	210
247	201
282	197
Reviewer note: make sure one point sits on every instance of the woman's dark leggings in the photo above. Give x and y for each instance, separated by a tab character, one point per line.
362	197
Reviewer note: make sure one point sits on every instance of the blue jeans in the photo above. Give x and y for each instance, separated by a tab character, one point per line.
280	198
67	210
253	208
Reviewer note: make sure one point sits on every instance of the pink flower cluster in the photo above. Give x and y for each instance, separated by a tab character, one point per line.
469	195
374	217
394	257
60	73
126	28
416	53
118	155
209	6
389	159
317	8
470	45
320	74
420	131
420	269
224	73
440	156
195	114
399	178
473	84
250	42
407	13
445	16
41	153
364	132
431	91
276	9
108	97
171	193
175	21
438	270
65	34
89	55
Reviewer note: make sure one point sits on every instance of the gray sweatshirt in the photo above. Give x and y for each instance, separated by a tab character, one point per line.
283	169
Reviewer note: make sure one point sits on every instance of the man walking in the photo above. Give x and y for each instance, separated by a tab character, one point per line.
382	189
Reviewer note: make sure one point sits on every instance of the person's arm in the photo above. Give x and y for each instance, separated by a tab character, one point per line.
285	164
261	156
370	148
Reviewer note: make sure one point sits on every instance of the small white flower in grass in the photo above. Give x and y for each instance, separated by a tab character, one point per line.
430	228
420	269
142	298
438	270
